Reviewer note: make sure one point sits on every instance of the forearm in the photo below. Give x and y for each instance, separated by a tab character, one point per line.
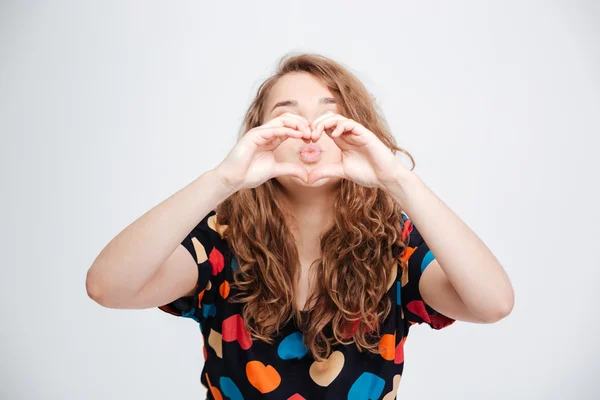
470	266
135	254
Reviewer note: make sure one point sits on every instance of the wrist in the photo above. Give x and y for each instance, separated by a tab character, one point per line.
402	184
223	181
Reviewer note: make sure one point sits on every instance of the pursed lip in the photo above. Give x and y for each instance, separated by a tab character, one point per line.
310	147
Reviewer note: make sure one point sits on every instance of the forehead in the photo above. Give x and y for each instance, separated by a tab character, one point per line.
300	86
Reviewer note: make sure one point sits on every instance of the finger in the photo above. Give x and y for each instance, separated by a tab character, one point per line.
326	171
293	115
315	136
266	135
286	115
288	123
301	125
339	129
323	126
342	126
293	121
272	144
321	117
290	169
327	123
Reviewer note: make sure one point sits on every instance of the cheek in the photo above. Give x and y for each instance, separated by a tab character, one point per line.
331	148
285	151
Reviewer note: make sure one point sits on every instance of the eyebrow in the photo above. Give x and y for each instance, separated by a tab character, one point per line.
294	103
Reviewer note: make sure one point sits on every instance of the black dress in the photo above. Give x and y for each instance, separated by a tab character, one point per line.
237	367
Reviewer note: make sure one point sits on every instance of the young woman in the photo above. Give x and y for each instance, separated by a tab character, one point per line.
299	255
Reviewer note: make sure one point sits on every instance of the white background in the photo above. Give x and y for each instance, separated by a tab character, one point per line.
109	107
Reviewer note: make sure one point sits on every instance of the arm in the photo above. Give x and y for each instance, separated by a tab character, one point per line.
145	265
465	281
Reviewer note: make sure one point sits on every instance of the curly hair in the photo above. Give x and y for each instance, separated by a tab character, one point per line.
360	251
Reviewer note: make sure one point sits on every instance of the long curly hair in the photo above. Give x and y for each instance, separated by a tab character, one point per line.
360	251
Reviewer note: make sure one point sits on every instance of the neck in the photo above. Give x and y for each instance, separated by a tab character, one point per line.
311	212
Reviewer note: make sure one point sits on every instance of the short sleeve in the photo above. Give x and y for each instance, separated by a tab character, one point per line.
419	257
205	245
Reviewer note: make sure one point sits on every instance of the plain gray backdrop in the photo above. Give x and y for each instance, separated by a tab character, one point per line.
109	107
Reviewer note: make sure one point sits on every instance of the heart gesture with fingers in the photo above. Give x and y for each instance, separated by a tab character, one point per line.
365	159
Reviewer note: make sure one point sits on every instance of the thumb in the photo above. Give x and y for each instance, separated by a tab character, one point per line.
326	171
282	169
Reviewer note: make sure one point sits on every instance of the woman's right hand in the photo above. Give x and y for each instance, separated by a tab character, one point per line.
251	162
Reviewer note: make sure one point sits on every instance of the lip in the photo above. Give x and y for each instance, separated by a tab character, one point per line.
310	147
310	153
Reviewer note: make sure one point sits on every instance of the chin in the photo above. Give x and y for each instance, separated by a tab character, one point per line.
322	182
291	182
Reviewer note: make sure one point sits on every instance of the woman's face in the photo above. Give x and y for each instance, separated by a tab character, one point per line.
311	98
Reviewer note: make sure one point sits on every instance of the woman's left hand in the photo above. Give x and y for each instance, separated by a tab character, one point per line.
365	159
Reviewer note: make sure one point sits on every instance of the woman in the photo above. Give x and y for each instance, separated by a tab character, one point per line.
299	259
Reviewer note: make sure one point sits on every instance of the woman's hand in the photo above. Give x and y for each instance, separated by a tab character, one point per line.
365	159
251	162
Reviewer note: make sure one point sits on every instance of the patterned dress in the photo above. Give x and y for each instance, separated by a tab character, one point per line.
237	368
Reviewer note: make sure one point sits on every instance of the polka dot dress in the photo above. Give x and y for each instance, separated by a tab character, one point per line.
237	367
